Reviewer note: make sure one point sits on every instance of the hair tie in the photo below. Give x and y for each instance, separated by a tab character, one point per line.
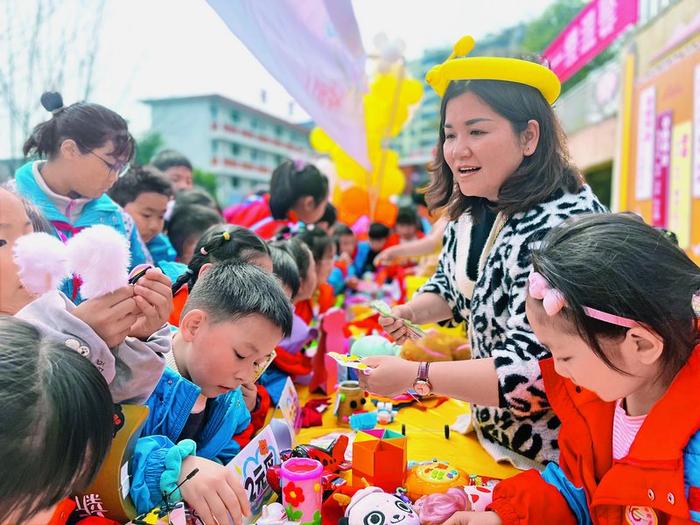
189	271
695	302
553	301
227	236
203	251
299	164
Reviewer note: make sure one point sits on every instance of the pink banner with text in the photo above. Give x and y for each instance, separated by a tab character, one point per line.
662	164
593	29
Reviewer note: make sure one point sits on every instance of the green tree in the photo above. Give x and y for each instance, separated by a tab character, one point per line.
205	180
147	147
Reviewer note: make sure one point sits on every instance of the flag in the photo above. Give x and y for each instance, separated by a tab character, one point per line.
313	48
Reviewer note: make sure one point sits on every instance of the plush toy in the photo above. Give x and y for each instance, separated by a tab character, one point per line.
434	509
436	346
373	506
372	345
274	514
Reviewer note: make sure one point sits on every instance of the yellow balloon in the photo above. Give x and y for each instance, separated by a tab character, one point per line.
320	141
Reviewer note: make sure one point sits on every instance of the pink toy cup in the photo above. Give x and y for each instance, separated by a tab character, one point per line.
301	489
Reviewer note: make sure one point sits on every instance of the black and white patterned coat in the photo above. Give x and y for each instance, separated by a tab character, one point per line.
523	429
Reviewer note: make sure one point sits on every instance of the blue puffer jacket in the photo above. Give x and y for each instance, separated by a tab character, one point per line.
170	405
102	210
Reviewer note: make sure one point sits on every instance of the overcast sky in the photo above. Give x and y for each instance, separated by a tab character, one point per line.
161	48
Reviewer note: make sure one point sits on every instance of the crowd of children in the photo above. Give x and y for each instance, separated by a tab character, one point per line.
208	334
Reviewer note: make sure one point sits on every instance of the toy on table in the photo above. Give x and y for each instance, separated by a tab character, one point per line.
436	346
414	331
435	509
386	413
363	421
373	345
301	489
379	458
373	506
349	399
433	476
274	514
332	458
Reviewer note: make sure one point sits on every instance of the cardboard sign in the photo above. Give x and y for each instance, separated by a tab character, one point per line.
289	406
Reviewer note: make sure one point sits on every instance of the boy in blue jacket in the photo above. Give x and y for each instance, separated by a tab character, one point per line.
235	316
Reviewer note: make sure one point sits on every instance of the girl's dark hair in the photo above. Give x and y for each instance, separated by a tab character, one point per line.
91	126
57	420
284	267
378	231
138	180
221	243
318	241
330	215
290	182
189	221
622	266
408	215
537	178
342	229
299	252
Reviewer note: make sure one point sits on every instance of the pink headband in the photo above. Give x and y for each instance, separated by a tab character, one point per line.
553	301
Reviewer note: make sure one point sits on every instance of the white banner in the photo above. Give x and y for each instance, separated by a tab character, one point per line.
313	48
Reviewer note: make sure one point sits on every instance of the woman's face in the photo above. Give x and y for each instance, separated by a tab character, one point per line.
481	147
14	223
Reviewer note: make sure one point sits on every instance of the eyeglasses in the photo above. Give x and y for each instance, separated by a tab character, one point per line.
120	168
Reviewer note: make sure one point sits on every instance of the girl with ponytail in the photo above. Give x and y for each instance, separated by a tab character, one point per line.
220	243
78	154
298	193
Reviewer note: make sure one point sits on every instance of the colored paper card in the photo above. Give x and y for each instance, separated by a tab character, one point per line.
350	361
289	406
680	184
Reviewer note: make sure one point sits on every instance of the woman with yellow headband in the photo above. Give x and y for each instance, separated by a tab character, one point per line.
503	177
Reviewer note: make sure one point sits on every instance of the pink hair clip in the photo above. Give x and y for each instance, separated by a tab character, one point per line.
299	164
553	301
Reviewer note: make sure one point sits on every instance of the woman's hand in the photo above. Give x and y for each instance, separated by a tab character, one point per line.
154	297
110	316
215	492
474	518
390	376
396	328
386	256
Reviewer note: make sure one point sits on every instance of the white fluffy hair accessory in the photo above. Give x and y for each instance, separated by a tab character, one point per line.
99	255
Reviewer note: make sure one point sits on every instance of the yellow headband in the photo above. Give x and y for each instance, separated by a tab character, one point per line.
492	68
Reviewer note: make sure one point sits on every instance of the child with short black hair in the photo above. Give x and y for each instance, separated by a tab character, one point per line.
187	224
407	225
145	193
176	167
57	423
284	267
235	316
328	220
378	237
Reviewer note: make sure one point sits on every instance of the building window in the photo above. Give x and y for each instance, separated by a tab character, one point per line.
254	154
278	131
278	160
214	111
235	116
235	182
254	123
235	149
214	147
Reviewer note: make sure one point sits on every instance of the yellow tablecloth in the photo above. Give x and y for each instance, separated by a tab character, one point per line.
426	440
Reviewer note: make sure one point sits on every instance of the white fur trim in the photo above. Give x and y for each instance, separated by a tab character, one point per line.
42	261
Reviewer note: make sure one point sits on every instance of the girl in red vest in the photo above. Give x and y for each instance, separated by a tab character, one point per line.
612	299
298	192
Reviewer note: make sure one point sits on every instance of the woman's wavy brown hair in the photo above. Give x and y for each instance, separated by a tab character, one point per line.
537	178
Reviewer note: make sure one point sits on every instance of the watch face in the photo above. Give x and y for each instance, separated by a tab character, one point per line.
422	388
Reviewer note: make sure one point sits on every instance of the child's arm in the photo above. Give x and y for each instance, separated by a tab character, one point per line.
691	467
139	365
531	497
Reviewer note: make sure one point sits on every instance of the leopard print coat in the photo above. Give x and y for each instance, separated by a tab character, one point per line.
523	429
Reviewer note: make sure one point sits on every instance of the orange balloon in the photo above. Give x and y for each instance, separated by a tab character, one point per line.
386	213
354	203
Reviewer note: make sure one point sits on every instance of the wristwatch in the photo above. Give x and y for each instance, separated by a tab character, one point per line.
422	384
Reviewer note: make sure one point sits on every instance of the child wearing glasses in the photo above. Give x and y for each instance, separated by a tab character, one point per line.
82	150
235	316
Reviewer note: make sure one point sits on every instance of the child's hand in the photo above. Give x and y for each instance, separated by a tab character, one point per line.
215	492
110	316
385	257
352	282
250	395
154	298
390	376
474	518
